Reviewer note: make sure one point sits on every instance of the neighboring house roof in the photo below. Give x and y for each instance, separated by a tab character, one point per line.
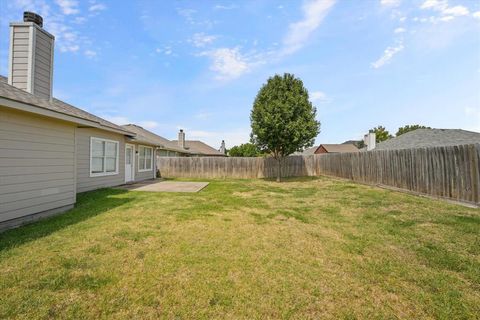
145	136
15	94
307	152
200	148
339	148
423	138
351	142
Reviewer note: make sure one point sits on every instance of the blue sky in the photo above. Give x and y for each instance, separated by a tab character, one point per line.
198	65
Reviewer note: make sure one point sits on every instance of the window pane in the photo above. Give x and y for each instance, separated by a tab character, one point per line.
97	165
148	163
111	149
141	164
111	164
148	152
97	148
128	159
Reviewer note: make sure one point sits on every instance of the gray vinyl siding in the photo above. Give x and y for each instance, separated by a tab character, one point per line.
168	153
42	65
19	53
37	164
84	181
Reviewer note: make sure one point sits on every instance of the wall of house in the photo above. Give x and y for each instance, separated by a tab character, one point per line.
144	175
168	153
84	181
37	167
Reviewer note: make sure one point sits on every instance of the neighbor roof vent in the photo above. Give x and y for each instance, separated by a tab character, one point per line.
33	17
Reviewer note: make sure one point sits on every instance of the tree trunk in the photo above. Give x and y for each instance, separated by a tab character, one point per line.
279	169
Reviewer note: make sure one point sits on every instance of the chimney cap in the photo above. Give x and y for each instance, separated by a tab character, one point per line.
29	16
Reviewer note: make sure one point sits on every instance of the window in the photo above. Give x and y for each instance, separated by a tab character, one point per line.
145	155
103	157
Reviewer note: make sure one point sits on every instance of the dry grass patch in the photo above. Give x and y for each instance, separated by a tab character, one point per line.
305	248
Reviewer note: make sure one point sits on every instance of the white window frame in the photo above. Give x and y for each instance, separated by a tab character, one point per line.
145	163
104	173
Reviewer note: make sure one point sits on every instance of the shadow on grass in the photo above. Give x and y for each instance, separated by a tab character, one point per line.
89	204
292	179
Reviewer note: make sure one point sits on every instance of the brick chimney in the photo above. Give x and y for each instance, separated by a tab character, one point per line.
31	56
181	139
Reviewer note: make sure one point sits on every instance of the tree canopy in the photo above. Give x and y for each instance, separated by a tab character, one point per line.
245	150
283	119
381	134
408	128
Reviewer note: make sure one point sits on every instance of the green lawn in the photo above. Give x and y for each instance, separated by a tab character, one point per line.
255	249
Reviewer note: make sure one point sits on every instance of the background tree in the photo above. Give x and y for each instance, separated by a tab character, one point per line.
409	128
245	150
381	134
283	118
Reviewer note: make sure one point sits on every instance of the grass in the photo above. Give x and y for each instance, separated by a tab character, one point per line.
305	248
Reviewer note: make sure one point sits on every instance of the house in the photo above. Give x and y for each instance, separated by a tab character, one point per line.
49	149
330	148
307	152
197	147
336	148
424	138
175	148
166	148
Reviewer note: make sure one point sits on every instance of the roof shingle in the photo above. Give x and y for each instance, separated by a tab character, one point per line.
12	93
424	138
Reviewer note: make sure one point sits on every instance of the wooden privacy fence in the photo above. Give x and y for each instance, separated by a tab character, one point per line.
450	172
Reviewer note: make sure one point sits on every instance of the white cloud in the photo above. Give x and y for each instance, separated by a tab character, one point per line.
387	55
476	14
201	39
97	7
456	11
166	50
68	7
90	54
223	7
314	11
228	63
399	30
444	9
319	97
390	3
187	14
434	4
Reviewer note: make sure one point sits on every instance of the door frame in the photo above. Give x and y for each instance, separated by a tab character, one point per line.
133	162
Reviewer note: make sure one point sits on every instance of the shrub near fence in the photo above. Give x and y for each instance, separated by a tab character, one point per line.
450	172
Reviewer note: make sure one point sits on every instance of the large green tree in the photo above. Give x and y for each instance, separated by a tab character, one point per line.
245	150
283	118
381	134
408	128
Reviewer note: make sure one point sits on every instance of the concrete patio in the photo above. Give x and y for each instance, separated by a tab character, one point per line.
159	185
